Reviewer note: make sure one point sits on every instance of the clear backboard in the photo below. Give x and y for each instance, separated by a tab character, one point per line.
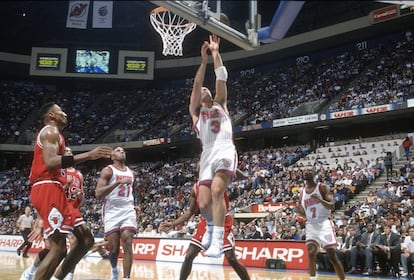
208	15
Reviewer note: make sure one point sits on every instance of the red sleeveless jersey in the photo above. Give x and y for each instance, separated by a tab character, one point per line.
75	177
38	171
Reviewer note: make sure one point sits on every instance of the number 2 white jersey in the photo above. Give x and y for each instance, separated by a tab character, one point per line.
121	196
214	126
315	212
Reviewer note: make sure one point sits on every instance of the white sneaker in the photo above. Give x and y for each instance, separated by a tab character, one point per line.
215	250
115	274
206	240
404	274
26	275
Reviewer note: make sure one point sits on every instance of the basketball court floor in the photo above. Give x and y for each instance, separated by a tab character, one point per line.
94	268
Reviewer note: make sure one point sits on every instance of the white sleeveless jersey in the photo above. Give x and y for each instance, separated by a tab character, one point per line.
214	124
314	210
121	196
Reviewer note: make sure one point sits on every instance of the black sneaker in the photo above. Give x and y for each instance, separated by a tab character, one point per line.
18	252
25	256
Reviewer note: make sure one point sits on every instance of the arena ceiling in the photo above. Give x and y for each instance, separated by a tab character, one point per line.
27	24
43	23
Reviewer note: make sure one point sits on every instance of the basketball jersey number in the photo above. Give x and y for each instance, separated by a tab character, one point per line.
123	191
70	192
215	126
313	210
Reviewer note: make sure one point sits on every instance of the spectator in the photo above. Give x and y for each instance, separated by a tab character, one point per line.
388	164
254	233
265	234
363	252
350	242
388	251
150	231
407	143
407	255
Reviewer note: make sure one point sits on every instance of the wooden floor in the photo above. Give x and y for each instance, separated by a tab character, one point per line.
94	268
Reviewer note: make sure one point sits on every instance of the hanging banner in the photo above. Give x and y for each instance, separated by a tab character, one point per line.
102	14
77	14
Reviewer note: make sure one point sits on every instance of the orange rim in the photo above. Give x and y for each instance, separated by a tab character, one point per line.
162	10
159	10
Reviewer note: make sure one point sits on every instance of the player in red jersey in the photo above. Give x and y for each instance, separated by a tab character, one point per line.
75	196
48	178
74	191
196	241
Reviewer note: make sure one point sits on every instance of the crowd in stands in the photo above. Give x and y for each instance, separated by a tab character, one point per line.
348	80
163	188
388	81
275	175
18	98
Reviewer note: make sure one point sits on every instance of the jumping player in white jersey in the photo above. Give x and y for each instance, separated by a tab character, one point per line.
316	204
218	161
115	184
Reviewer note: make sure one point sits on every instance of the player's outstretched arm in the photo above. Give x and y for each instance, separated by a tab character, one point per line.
53	160
220	70
195	98
192	210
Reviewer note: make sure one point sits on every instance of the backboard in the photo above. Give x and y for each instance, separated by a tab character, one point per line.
206	14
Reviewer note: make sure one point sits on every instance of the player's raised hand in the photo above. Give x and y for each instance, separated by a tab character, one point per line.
214	43
100	152
165	226
204	47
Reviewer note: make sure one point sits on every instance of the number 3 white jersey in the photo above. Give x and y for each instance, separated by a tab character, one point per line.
315	212
213	124
121	196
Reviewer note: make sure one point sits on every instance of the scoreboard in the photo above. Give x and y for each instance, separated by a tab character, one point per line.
47	61
92	63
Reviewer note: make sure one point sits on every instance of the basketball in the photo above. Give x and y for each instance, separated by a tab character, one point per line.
224	19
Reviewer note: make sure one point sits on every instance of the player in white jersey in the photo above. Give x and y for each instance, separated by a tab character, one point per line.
316	204
218	161
115	184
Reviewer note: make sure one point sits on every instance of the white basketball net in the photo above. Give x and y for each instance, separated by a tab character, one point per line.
172	29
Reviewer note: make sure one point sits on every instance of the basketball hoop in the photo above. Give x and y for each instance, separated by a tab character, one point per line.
172	29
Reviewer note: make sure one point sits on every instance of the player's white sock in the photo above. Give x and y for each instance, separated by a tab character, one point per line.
53	278
28	274
216	248
32	269
208	235
115	273
313	278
